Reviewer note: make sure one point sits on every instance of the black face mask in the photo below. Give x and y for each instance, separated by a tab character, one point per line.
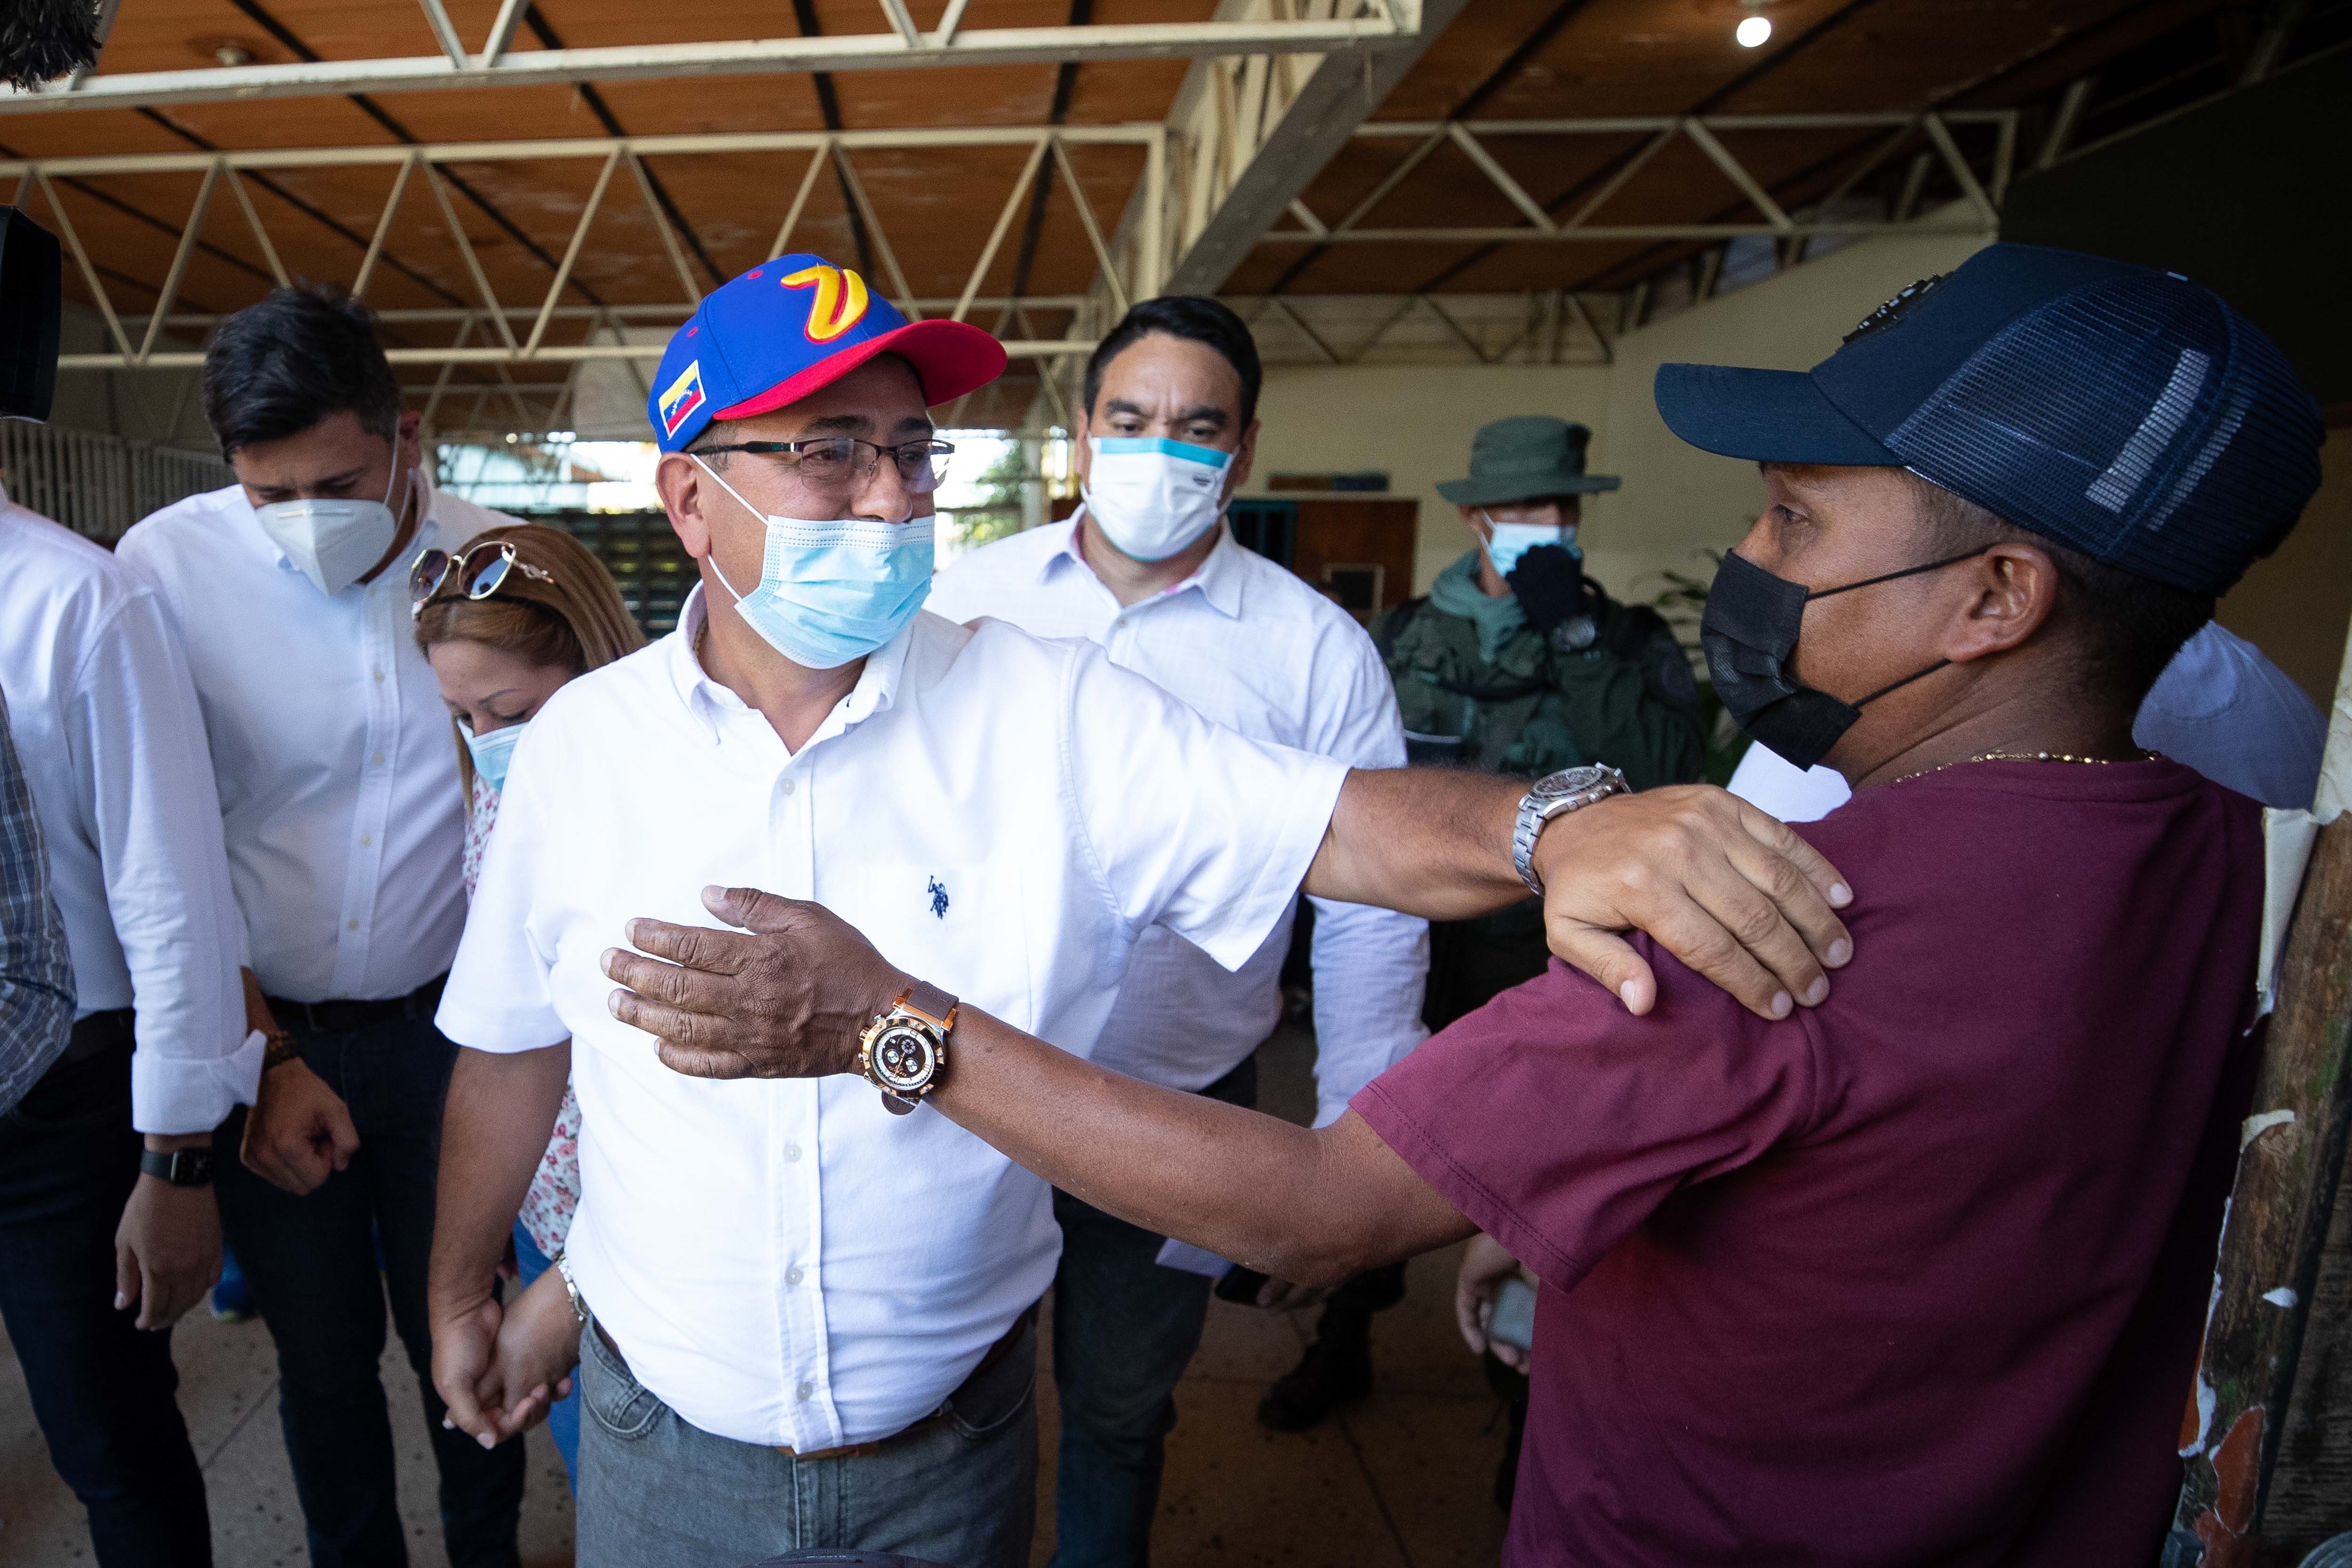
1748	632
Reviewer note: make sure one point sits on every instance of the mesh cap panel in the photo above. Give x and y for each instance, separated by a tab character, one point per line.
2137	419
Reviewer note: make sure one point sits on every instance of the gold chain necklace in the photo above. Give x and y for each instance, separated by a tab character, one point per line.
2026	757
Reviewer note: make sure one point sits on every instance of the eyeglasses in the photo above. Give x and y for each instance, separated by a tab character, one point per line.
835	463
435	568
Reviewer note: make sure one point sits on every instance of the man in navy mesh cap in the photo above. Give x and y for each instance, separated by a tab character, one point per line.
1916	1274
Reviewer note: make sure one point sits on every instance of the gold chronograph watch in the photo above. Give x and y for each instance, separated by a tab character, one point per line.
904	1052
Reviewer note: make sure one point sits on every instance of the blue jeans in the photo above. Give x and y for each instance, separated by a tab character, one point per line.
656	1492
311	1262
1124	1331
101	1389
563	1417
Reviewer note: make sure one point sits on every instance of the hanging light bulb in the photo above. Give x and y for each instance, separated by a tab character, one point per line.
1752	31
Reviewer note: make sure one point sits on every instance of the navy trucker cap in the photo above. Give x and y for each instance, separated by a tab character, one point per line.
2126	413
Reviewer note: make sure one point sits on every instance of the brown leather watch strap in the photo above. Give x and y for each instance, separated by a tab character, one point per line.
932	1002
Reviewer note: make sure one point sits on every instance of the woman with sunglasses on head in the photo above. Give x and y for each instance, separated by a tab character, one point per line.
504	622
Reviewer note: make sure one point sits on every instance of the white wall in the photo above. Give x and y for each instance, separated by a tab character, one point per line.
1416	421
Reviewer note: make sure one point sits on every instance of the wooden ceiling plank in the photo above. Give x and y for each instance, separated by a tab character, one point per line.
260	235
179	270
383	224
818	158
440	190
1094	229
1004	227
81	260
571	251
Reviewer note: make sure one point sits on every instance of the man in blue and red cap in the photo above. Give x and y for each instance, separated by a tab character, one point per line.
804	1313
1917	1275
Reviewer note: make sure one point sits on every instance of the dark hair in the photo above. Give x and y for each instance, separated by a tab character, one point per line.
1191	316
2126	626
279	367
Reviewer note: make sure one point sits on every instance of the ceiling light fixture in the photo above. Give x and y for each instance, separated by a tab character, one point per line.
1753	31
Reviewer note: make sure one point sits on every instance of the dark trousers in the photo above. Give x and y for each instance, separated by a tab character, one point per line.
311	1264
101	1389
1124	1331
1473	962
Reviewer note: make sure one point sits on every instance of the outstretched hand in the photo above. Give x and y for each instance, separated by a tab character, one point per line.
786	995
1724	888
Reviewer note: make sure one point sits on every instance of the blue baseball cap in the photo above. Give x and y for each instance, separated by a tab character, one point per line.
789	326
2123	412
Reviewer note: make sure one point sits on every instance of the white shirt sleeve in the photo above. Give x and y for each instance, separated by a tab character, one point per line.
498	998
1768	782
1189	826
145	775
1372	965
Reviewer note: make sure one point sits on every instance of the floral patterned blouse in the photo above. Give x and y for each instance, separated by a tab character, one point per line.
554	1192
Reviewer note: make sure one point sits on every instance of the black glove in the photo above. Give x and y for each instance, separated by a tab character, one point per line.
1549	582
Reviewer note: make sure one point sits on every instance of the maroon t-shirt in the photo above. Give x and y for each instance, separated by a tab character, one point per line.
1916	1276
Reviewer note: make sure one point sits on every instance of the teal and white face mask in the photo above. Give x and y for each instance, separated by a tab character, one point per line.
1152	497
832	593
492	751
1509	541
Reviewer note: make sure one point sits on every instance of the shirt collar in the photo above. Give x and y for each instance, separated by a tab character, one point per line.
706	700
1219	577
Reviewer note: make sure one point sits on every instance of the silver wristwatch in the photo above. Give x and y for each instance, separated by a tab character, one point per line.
1553	795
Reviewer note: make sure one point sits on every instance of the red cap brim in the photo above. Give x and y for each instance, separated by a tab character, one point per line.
951	358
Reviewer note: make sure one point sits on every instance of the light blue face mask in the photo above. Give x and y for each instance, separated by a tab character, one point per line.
492	752
831	592
1510	540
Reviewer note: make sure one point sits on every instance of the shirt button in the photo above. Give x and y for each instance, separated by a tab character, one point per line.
804	1390
350	925
378	759
379	675
787	786
793	1152
367	839
792	1275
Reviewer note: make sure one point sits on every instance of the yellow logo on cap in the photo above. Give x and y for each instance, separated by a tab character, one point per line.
681	398
840	303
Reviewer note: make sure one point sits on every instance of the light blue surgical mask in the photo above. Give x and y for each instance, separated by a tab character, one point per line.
1510	540
1152	497
492	752
831	592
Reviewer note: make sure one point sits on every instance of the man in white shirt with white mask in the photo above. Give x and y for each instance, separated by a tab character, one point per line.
806	1309
338	787
1147	570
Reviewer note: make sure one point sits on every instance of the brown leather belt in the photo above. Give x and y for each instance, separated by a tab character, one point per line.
996	1352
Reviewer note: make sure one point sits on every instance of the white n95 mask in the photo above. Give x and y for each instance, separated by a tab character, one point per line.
1509	541
1152	497
830	593
332	542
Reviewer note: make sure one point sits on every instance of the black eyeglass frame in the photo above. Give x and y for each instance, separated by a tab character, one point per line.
934	451
422	593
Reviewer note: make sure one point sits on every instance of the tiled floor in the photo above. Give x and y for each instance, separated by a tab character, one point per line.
1402	1480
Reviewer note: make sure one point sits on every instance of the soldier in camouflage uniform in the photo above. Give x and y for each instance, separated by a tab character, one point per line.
1517	663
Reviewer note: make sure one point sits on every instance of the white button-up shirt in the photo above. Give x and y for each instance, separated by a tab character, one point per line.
784	1261
1254	647
105	720
337	771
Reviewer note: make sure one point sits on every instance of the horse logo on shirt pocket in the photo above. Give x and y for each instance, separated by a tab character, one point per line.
961	928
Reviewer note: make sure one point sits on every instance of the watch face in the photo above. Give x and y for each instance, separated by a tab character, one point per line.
1568	781
904	1058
